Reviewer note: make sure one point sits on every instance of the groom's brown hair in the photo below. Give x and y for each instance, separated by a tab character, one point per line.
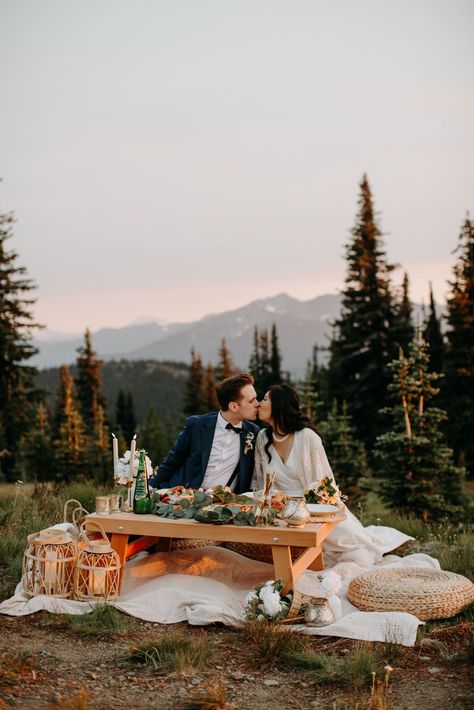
229	390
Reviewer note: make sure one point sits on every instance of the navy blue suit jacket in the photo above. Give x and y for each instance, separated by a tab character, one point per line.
186	463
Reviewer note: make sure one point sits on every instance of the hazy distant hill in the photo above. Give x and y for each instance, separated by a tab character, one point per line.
109	342
300	325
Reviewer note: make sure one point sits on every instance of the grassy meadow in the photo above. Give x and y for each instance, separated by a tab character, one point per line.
348	674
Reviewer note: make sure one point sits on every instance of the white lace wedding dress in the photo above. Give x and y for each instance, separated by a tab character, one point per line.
350	541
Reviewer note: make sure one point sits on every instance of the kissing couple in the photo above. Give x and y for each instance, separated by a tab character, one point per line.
227	448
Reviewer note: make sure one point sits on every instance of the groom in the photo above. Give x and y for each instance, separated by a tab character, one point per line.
216	449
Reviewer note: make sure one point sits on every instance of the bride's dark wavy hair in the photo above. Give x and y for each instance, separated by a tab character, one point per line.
286	414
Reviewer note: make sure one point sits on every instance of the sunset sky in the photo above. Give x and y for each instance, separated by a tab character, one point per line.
168	159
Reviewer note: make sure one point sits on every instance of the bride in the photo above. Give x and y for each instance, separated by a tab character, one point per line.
291	448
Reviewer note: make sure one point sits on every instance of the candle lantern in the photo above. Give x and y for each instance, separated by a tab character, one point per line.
75	518
97	574
48	564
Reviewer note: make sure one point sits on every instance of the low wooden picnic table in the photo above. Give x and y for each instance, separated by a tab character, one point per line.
152	529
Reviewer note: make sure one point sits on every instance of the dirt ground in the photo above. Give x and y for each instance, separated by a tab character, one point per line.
60	665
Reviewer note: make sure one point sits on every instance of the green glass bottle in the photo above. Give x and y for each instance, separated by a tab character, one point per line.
141	497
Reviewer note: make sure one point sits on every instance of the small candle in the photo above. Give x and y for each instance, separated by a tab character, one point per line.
115	452
97	582
102	505
50	570
133	446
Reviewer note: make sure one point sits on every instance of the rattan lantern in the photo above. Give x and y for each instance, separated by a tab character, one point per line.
48	564
97	574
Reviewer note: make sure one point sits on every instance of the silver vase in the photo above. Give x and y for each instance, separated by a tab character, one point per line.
295	513
319	613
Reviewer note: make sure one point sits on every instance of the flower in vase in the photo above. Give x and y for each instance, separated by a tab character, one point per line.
122	472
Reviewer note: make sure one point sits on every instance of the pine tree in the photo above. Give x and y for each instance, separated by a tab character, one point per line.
254	364
275	358
125	418
459	358
345	452
433	337
265	374
361	346
18	395
225	367
130	420
121	412
195	402
153	438
69	431
98	450
415	464
37	448
308	389
212	402
307	393
402	329
88	381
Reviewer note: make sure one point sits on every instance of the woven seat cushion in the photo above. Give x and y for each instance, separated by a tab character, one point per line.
178	543
428	594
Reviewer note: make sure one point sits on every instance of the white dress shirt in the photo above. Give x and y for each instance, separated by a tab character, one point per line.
224	456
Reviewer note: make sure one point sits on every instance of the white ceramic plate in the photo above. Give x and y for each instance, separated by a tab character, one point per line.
321	508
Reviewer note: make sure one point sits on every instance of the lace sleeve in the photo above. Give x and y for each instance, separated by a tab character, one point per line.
315	462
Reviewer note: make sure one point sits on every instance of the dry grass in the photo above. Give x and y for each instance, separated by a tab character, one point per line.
212	697
355	668
103	620
272	643
77	701
174	653
15	667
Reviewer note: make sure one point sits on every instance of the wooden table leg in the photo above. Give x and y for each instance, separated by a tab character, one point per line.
283	567
119	543
318	563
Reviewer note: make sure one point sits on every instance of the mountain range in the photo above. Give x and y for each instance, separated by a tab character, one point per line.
300	325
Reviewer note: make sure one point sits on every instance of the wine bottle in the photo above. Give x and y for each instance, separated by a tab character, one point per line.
141	497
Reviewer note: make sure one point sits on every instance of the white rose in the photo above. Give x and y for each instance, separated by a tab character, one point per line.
271	604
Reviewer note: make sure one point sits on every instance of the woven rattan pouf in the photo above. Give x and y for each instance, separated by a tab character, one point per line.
428	594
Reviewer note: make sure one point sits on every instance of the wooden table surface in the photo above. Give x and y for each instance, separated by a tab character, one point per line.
280	537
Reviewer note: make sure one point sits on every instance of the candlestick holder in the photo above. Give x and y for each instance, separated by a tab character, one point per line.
127	506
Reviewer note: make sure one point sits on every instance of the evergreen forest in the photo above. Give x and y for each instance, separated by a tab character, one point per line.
393	401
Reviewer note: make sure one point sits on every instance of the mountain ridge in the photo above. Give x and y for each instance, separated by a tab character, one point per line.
300	326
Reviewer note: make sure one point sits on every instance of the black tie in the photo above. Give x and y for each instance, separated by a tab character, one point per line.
234	428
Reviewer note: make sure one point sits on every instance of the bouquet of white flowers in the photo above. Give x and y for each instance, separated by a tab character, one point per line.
267	602
122	471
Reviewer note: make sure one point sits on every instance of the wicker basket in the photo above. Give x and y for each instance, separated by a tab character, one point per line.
428	594
178	543
261	553
301	602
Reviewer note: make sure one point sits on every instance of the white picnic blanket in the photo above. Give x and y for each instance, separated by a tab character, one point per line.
208	585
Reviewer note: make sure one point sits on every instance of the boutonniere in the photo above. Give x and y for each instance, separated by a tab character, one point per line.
248	442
